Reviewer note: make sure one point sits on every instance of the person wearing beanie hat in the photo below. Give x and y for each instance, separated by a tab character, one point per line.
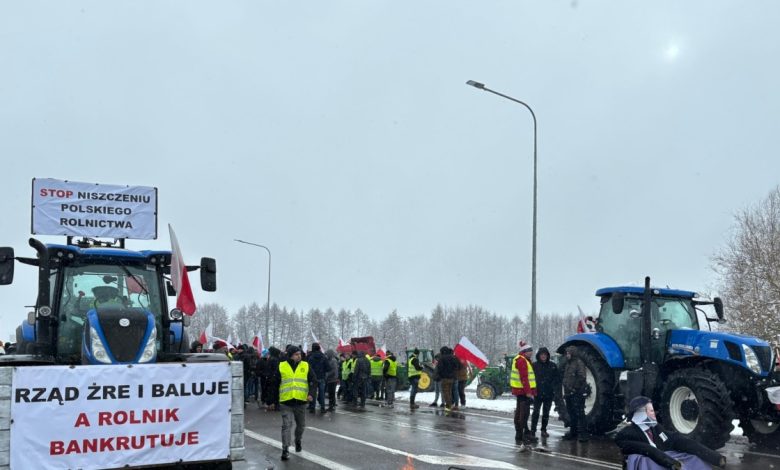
547	378
296	381
575	389
320	364
413	371
522	380
646	445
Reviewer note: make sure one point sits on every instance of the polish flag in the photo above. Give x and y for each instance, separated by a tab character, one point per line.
257	342
585	325
230	341
342	343
466	350
205	337
382	351
314	337
185	301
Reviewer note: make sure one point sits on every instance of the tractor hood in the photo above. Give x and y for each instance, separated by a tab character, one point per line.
749	352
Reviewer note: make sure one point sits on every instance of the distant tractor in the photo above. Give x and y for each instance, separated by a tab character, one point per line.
649	341
492	382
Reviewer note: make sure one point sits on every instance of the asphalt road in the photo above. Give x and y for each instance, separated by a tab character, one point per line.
428	438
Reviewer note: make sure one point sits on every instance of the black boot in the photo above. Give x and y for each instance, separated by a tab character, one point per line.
298	446
285	454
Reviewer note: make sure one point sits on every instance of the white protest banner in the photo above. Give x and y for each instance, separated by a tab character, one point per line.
111	416
93	210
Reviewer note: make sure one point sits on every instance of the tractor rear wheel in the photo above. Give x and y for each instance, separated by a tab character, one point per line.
599	402
486	391
425	384
696	403
765	435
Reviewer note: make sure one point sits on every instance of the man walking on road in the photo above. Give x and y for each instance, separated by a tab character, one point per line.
414	370
295	381
523	382
575	387
389	371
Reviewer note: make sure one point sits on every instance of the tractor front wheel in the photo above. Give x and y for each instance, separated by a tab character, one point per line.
486	391
696	403
425	384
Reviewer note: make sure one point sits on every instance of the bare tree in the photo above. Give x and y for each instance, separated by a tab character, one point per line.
749	269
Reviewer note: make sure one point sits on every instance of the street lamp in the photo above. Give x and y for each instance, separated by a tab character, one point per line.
481	86
268	299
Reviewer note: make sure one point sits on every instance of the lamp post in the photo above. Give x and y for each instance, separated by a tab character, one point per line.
268	299
481	86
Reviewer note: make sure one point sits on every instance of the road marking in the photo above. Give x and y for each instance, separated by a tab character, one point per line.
458	459
303	454
549	453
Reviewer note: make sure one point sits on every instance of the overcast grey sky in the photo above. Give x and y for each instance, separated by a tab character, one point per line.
342	135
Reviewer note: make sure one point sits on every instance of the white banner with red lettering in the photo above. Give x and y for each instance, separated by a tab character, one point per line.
111	416
93	210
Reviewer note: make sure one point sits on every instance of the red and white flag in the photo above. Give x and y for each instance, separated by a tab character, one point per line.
257	342
205	337
342	343
185	301
466	350
585	325
382	351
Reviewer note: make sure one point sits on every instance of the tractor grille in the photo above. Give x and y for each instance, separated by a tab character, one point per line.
764	354
123	341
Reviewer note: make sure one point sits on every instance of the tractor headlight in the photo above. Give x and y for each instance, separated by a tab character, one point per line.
751	359
98	351
151	347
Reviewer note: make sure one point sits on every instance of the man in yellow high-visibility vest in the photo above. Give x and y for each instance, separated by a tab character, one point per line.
296	379
522	380
414	370
390	372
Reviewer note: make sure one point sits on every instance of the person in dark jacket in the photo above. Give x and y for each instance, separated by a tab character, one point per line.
647	446
547	379
361	377
272	397
318	363
248	356
447	369
293	397
332	378
575	388
196	347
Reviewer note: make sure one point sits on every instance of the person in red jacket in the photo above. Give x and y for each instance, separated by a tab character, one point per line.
523	382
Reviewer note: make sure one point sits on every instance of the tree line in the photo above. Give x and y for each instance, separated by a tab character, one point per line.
494	334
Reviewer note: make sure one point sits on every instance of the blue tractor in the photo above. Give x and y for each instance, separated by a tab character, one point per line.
99	303
649	341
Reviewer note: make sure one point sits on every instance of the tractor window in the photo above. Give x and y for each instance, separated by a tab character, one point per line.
91	286
623	328
673	314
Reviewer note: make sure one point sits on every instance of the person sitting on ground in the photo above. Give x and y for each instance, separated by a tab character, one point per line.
648	446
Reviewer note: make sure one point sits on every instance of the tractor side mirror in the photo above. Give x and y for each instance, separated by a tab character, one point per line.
208	274
6	265
717	302
31	318
618	299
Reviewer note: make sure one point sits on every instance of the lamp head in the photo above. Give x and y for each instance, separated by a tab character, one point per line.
479	85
